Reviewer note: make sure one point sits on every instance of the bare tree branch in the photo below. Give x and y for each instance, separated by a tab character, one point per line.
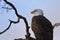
6	28
19	17
56	24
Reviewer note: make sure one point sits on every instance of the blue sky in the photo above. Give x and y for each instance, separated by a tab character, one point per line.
51	9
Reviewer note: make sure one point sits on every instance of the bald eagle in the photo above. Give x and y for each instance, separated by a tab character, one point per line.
41	26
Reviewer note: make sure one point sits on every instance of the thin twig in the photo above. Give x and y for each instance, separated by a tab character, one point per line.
56	24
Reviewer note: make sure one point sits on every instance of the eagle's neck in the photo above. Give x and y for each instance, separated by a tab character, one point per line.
36	14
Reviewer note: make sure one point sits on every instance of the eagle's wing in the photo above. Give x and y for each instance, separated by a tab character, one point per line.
41	27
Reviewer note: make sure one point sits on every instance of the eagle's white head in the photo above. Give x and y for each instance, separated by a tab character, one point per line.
37	12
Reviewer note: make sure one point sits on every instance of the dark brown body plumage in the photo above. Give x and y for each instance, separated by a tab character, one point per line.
42	28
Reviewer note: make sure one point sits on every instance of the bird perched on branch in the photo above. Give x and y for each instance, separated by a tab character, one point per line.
41	26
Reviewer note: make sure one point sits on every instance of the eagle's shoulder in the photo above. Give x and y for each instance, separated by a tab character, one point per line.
42	21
